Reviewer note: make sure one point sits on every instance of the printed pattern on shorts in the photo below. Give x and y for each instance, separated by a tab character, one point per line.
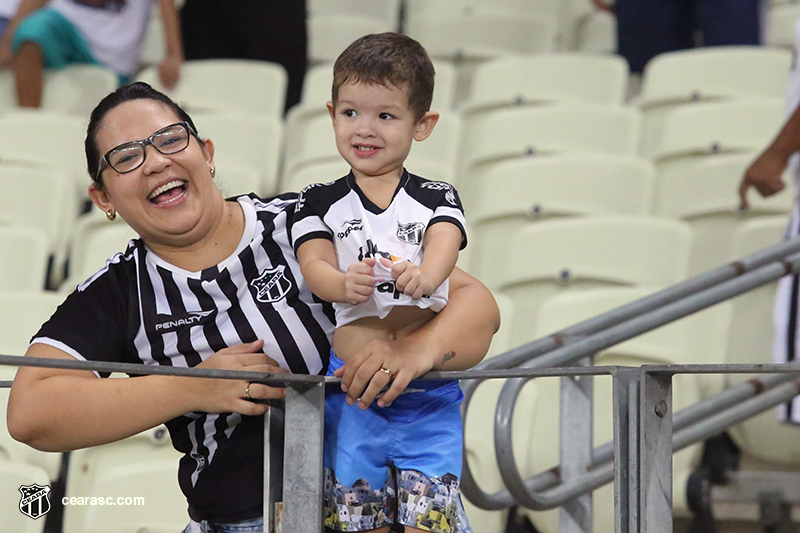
429	504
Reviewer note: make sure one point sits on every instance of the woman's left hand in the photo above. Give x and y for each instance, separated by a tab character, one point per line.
363	377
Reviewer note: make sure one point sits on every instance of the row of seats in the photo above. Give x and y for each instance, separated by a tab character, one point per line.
736	331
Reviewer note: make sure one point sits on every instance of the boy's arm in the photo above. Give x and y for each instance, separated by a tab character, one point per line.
317	259
441	244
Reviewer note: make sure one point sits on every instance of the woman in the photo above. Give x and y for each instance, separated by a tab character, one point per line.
211	283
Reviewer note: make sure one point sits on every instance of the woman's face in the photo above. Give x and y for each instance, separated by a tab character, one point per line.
170	200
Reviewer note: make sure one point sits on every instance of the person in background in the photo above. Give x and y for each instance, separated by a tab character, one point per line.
209	283
8	9
111	33
646	28
265	30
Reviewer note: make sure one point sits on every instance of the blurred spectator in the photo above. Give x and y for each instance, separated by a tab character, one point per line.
646	28
7	10
266	30
57	33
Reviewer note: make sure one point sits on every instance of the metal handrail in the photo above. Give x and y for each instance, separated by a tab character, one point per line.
545	490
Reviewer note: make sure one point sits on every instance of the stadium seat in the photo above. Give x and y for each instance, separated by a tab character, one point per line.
24	254
750	341
707	198
547	130
226	85
597	33
704	131
515	193
46	138
248	144
77	89
556	256
15	475
780	24
314	173
329	35
675	79
143	466
656	347
56	210
547	78
94	240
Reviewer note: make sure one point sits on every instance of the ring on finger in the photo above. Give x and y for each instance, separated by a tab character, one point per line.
387	372
247	392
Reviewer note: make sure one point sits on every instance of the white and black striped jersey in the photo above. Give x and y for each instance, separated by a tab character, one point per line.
340	212
140	309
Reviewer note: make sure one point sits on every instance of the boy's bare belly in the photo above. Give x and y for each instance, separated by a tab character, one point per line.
399	323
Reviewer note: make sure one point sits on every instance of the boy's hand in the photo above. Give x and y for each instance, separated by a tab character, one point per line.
359	282
409	279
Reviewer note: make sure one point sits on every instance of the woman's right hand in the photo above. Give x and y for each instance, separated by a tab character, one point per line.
228	395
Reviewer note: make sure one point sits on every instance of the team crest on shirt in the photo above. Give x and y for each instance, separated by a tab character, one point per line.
450	192
272	285
410	233
35	500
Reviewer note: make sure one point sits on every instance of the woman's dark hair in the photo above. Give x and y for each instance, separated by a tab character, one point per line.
135	91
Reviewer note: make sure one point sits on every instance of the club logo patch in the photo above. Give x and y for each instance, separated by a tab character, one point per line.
35	500
272	285
410	233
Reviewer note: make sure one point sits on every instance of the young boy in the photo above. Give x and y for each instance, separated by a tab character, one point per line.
380	243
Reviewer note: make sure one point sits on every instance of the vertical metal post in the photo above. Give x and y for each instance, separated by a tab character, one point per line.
576	447
273	467
302	470
626	450
656	452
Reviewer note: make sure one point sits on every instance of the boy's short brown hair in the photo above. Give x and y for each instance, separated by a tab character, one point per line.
387	59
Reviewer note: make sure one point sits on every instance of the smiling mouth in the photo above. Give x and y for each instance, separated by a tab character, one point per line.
361	148
168	191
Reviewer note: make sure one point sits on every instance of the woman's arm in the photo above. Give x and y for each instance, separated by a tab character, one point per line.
457	338
60	410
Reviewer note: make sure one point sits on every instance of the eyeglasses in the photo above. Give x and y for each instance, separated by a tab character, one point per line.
129	156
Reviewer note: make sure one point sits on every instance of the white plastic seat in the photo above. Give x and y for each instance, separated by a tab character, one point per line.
656	347
77	89
248	143
329	35
515	193
556	256
707	198
597	33
479	35
684	77
46	138
15	475
547	130
703	131
94	240
314	173
226	85
547	78
750	341
24	256
143	466
780	25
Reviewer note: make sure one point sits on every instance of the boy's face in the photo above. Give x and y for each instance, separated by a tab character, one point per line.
374	128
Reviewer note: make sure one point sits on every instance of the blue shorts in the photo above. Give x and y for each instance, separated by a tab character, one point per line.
398	464
59	41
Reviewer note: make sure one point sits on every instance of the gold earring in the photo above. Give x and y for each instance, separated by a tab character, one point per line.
111	215
212	170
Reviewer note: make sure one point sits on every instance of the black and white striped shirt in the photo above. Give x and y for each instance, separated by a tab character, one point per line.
140	309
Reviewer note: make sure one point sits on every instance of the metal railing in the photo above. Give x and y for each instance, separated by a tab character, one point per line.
645	430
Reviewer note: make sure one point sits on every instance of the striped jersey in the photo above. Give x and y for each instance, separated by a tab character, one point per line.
340	212
141	309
